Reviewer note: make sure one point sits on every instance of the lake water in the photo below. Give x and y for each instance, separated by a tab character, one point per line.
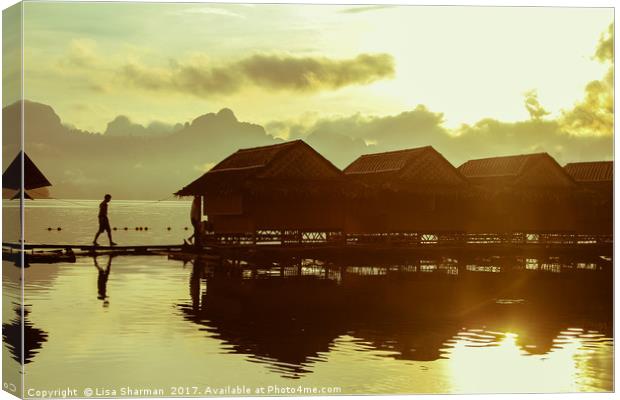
204	327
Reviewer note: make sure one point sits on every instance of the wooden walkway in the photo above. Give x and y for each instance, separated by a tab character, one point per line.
67	252
91	248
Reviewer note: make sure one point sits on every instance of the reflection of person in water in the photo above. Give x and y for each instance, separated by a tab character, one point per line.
102	280
195	283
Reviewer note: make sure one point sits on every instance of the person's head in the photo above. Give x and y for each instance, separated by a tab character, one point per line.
107	198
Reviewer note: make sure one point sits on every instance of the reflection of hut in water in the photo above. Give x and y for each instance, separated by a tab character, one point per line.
290	323
414	340
286	189
283	323
33	338
33	178
529	193
406	191
598	178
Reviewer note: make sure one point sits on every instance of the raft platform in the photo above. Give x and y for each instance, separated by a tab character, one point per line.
67	253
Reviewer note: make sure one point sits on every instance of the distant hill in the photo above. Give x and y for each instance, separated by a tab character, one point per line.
87	165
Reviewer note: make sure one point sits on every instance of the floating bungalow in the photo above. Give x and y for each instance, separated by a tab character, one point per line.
406	192
597	177
286	192
521	194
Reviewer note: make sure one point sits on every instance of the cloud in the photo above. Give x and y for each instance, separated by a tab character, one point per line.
81	53
193	79
122	126
275	72
594	114
605	49
311	74
533	106
342	139
491	137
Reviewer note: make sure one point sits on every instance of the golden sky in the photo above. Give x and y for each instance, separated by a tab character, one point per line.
173	62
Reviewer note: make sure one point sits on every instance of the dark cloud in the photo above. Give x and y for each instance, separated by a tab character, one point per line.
307	74
344	139
198	80
491	137
122	126
357	134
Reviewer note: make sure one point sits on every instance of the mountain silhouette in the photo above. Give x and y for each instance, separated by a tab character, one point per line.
131	166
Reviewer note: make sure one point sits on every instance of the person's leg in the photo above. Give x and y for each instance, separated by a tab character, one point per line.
110	235
99	231
197	238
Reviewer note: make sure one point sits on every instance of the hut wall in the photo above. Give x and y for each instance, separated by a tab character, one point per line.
298	214
365	215
512	212
596	208
217	204
400	212
280	214
237	224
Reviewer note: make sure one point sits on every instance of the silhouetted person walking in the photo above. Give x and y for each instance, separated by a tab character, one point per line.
196	221
104	223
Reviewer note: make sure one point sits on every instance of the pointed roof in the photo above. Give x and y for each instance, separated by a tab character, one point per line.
33	177
254	157
521	168
503	166
283	161
592	171
390	161
412	170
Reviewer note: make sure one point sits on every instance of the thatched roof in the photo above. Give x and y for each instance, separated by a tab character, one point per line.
284	167
33	177
593	171
415	170
391	161
538	169
507	166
